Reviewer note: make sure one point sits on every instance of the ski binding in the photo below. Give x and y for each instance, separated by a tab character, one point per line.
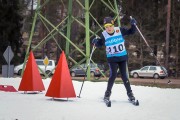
134	102
108	102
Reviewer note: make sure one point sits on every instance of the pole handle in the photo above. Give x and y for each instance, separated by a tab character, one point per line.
130	17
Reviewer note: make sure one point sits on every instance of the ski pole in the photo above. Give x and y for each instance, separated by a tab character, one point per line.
93	49
148	45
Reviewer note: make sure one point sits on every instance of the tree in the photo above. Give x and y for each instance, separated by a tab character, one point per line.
10	26
168	32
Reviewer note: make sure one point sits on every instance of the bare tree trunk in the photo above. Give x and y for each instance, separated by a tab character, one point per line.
141	54
141	48
168	32
59	38
177	49
32	2
42	31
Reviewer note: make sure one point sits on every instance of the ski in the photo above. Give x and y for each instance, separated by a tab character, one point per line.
108	102
134	102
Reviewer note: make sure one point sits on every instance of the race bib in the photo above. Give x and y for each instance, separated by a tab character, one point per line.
114	44
116	50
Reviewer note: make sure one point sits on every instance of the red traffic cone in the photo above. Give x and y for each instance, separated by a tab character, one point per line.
61	84
31	79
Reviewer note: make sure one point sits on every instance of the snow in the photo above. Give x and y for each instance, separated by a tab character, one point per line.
155	103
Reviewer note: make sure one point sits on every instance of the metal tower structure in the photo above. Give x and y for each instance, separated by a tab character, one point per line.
71	47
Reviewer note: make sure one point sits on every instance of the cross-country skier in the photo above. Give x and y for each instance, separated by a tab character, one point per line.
112	39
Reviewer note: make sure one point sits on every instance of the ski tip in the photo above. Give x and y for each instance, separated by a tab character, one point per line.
109	104
137	103
134	102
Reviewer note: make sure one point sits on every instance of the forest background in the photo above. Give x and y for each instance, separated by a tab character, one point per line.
158	20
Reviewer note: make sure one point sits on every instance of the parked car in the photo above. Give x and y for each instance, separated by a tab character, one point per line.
81	70
49	69
150	71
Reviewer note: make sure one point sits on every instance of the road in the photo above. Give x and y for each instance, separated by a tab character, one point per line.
165	83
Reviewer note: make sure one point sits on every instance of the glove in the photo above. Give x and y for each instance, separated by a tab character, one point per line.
133	21
94	41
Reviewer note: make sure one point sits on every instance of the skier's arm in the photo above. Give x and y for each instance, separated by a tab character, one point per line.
132	30
98	42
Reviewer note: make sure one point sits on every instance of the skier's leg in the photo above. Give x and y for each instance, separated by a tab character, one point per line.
125	77
112	77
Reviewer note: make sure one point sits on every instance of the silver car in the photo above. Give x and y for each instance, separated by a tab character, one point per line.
49	69
150	71
95	70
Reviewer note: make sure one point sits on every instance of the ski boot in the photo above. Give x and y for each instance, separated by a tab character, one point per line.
107	98
107	95
132	99
131	96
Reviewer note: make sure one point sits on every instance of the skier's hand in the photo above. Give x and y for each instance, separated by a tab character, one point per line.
133	21
94	41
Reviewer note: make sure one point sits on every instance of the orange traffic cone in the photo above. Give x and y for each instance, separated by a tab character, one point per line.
31	79
61	84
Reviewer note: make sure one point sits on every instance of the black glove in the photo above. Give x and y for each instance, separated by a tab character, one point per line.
133	21
94	41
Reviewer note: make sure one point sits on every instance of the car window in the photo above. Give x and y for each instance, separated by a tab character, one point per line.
80	66
39	62
100	66
42	63
50	63
164	69
93	65
152	68
83	65
144	68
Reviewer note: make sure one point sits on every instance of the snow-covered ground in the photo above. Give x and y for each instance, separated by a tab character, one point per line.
155	103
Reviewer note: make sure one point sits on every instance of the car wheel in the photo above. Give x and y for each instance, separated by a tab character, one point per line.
19	72
156	76
135	75
92	74
73	74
